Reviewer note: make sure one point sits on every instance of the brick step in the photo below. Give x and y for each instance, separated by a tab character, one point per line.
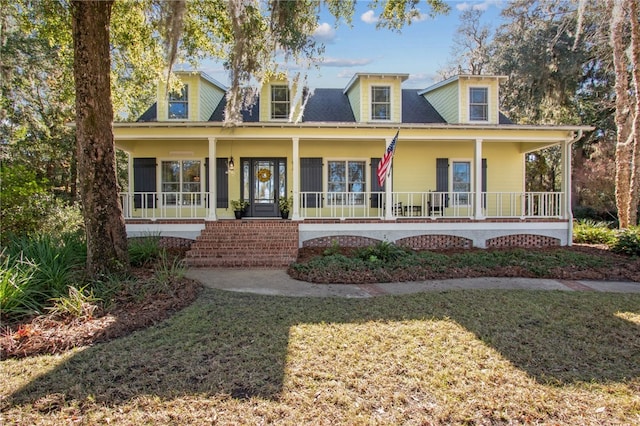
245	243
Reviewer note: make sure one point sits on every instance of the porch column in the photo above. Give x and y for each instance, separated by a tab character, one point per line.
295	169
477	181
566	187
213	195
130	199
130	171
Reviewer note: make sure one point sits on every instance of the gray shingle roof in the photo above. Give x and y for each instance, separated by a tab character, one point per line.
332	105
416	109
249	115
150	115
328	105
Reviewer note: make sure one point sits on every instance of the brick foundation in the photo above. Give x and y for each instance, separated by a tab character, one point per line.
435	242
522	240
342	241
245	243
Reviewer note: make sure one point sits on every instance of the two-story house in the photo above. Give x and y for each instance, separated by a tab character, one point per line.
457	177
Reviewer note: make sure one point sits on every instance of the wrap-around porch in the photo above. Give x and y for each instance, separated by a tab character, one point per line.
481	212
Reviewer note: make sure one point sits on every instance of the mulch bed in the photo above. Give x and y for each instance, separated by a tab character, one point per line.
49	334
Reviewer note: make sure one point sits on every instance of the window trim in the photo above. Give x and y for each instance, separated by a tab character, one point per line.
371	102
202	182
272	102
452	161
366	183
184	94
486	105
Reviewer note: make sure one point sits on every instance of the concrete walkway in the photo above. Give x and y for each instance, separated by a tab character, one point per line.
277	282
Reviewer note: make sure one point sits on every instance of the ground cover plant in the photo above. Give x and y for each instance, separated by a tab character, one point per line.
457	357
389	263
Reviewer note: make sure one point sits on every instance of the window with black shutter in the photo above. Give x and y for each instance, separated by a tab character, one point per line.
311	181
144	180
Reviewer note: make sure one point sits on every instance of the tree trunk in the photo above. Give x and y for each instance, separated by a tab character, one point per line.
104	222
634	185
624	116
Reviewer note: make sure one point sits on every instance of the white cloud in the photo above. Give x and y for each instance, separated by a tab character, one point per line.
339	62
325	33
421	17
421	80
478	5
369	17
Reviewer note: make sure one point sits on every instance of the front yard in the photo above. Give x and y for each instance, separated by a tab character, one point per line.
459	357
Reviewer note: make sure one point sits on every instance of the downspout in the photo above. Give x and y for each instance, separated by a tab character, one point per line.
568	184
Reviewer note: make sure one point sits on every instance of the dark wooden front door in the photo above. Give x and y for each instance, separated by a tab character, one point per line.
264	182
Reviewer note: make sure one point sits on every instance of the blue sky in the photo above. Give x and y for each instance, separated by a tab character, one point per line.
420	50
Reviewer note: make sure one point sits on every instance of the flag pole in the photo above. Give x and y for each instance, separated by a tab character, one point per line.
388	211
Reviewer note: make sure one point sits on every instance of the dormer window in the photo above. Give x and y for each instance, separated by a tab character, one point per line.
478	104
179	104
380	103
280	104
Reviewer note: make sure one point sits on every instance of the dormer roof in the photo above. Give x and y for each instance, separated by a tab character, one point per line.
359	75
205	77
333	105
499	78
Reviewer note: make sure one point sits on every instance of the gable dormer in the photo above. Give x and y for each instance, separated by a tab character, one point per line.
376	97
282	99
466	99
194	100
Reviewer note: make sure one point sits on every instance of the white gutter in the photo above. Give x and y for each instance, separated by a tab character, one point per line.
569	185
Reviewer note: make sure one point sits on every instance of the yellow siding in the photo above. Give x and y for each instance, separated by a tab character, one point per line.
396	97
445	100
364	149
492	85
265	98
505	167
415	164
527	138
193	82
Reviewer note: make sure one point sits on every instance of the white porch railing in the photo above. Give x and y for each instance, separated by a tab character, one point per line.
165	205
343	205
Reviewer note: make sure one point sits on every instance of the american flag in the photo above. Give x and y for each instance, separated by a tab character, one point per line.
385	164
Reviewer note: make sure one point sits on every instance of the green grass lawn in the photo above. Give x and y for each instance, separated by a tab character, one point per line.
458	357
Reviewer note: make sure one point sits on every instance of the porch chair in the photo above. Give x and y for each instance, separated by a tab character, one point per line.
397	209
435	203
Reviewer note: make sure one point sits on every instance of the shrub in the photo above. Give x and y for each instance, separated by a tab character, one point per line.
144	250
35	270
167	270
57	260
19	297
627	241
591	232
384	251
79	303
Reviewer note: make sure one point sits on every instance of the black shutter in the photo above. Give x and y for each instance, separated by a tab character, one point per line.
442	177
484	182
222	183
144	180
311	181
376	199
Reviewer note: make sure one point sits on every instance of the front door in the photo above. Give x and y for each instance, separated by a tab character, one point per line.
264	182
